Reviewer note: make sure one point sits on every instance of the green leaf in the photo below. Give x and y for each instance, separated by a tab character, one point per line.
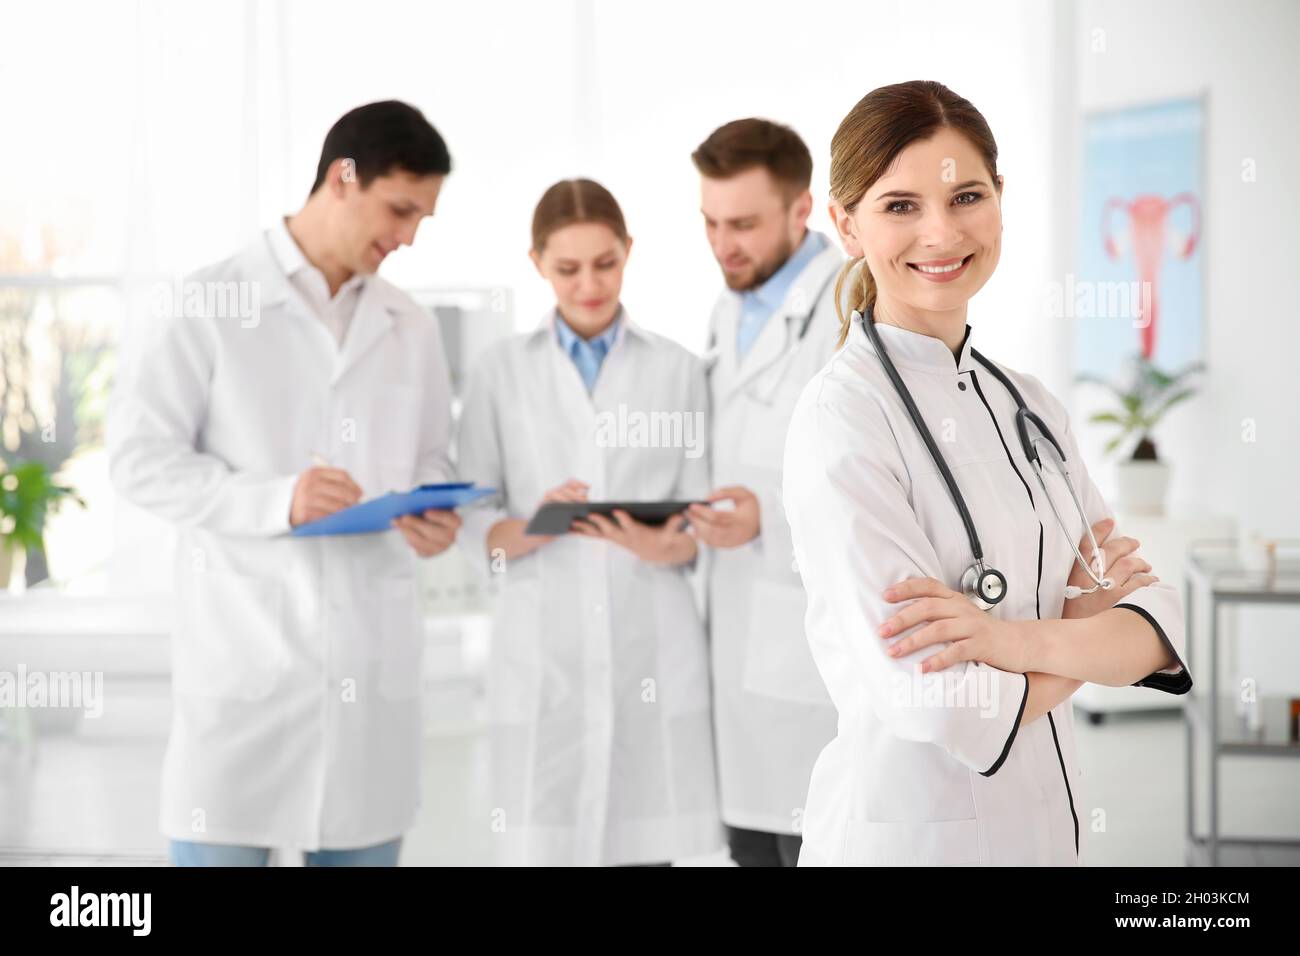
1158	378
1170	402
27	495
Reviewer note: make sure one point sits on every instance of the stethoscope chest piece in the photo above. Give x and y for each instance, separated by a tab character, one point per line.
986	587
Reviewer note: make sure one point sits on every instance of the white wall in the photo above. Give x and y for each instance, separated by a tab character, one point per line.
1241	56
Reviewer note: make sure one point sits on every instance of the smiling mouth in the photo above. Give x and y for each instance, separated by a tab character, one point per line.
941	267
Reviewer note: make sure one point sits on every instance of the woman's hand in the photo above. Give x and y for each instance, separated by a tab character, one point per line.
949	616
571	490
667	544
507	539
1124	566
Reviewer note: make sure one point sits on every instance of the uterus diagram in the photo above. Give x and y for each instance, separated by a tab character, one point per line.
1149	238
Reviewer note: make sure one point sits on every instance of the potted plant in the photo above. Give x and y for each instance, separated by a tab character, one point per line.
27	495
1144	399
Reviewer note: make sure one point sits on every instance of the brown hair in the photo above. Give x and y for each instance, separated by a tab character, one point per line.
575	200
746	143
879	127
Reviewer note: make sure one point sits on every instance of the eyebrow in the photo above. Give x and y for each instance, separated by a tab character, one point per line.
902	194
734	219
577	262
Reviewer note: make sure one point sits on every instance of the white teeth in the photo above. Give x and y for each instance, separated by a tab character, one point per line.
939	270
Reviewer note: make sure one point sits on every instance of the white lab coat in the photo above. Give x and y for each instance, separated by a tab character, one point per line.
598	676
913	778
771	711
296	661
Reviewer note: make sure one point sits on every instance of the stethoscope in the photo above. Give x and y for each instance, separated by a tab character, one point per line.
986	586
765	390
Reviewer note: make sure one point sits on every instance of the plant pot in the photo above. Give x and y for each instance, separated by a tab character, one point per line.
1141	487
6	566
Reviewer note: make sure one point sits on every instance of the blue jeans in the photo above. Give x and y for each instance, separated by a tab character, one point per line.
185	853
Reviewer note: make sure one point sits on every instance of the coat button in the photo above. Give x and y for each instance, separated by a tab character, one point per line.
962	386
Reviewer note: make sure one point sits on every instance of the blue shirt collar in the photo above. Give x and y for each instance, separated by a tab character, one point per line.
568	338
773	292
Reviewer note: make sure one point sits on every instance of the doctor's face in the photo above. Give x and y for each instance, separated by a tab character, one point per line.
584	264
752	225
930	229
373	221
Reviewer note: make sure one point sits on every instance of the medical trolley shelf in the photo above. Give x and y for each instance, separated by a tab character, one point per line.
1215	574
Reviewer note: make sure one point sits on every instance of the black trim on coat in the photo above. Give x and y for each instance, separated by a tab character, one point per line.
1179	683
1015	728
1038	611
1068	791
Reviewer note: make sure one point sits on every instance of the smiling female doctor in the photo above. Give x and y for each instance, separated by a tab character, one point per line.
935	530
598	683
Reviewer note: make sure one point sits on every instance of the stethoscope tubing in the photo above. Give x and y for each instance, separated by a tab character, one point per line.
869	326
1023	413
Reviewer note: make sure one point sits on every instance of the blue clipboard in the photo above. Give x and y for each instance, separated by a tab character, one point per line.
378	514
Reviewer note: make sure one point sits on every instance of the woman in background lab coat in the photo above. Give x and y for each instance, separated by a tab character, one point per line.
598	681
956	741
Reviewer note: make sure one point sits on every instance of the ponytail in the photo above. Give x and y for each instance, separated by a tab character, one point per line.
861	297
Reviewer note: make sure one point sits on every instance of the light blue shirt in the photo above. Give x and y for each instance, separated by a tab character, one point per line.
587	354
758	305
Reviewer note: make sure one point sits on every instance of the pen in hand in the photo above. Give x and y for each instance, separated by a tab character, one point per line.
320	491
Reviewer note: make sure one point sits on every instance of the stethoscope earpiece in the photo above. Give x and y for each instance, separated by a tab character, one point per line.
1072	592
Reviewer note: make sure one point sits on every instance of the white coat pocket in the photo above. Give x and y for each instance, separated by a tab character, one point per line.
923	843
778	661
229	640
403	623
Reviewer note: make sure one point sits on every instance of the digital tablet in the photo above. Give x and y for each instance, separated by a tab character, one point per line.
555	517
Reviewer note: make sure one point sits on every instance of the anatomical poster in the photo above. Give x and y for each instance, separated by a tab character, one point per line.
1137	290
